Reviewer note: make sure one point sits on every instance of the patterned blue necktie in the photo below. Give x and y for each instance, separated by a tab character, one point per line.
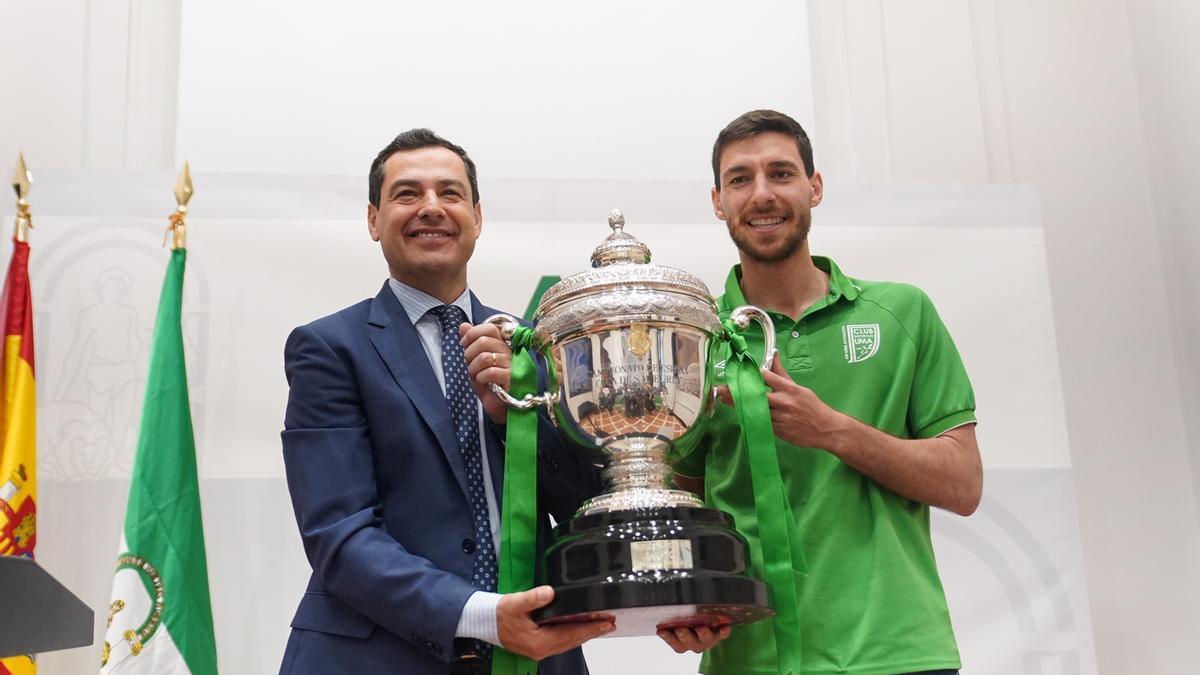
464	413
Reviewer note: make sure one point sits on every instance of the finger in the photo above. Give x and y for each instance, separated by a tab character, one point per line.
776	381
469	333
485	361
777	364
485	345
482	384
527	601
570	635
668	636
517	607
501	377
776	400
715	635
488	368
689	639
724	395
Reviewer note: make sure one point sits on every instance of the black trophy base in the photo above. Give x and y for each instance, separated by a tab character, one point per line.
650	569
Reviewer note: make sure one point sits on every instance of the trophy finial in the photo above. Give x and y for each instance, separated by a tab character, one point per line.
620	246
616	220
22	179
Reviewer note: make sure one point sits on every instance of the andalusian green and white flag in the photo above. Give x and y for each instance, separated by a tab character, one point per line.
160	619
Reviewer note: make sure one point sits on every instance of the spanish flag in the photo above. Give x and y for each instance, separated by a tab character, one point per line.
18	430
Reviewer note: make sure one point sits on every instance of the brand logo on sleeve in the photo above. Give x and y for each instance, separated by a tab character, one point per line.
860	341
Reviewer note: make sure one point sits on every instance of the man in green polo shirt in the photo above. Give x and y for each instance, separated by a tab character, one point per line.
874	419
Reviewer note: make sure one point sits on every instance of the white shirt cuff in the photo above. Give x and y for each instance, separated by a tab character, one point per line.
478	619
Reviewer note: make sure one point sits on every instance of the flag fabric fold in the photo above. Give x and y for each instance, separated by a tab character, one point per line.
160	617
18	427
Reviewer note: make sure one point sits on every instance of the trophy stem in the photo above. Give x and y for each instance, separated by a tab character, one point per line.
637	476
643	465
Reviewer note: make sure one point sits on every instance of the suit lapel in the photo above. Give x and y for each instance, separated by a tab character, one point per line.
397	342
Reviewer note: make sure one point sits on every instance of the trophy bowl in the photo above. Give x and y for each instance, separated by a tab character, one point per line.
632	345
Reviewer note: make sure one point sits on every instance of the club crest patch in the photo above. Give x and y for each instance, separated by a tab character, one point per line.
860	341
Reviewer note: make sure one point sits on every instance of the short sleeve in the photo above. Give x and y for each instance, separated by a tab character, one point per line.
942	397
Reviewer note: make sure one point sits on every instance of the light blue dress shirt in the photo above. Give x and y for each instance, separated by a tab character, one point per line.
478	619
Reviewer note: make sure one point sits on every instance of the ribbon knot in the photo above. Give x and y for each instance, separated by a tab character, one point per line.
732	334
522	338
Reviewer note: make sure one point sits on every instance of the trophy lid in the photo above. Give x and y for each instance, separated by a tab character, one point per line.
622	275
619	247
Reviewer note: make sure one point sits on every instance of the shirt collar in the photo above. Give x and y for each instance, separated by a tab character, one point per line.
840	285
417	303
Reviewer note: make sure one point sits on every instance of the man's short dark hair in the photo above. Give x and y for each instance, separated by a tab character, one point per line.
758	122
414	139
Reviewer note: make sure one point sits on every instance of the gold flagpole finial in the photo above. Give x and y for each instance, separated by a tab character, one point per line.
177	230
22	182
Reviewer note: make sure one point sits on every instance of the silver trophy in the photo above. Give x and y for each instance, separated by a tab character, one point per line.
632	344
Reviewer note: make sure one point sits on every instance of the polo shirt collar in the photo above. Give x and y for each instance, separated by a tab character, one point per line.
839	284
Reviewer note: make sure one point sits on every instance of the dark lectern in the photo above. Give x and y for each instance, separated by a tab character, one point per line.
38	614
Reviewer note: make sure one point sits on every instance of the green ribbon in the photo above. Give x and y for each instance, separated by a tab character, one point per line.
518	518
778	541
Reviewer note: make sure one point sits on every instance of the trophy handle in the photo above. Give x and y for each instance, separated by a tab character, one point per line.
507	326
742	316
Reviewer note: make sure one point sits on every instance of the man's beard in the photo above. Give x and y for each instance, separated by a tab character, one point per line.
778	251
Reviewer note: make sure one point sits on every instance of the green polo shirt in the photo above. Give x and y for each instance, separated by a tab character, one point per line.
872	603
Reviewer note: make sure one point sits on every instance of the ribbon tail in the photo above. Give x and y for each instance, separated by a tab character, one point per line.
778	540
518	518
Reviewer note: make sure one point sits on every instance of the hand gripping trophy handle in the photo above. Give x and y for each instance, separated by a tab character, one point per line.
508	325
742	316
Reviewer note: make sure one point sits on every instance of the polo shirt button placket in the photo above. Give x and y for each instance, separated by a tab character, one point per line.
796	350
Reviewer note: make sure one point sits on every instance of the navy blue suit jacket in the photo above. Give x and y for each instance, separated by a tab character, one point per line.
379	491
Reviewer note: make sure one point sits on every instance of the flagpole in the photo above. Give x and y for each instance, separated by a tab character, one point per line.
22	182
177	229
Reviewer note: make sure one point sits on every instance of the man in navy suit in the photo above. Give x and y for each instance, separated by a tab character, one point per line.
399	518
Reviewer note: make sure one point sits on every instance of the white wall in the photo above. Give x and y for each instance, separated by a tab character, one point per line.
1167	63
620	89
1098	113
89	84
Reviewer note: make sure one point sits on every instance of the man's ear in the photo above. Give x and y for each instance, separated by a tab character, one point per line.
818	189
372	213
716	200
